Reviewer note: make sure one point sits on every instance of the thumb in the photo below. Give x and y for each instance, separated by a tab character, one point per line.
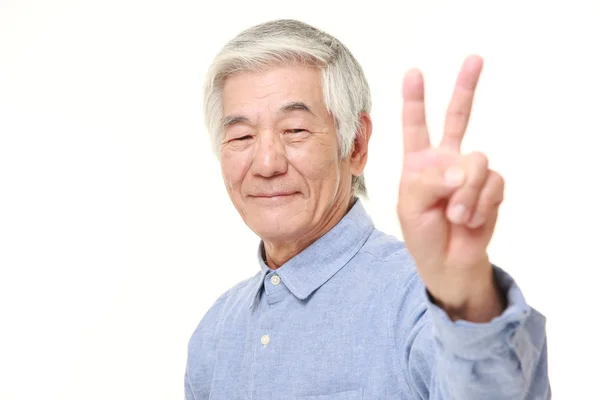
421	191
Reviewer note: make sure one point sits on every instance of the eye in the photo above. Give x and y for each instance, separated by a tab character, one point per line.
295	130
241	138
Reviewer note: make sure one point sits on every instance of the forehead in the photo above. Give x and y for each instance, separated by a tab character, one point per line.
266	91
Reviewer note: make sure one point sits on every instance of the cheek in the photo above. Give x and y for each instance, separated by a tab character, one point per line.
317	164
233	168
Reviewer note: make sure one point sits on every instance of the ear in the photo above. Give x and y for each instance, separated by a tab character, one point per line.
360	147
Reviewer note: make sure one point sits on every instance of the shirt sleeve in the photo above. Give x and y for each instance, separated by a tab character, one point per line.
189	394
201	352
503	359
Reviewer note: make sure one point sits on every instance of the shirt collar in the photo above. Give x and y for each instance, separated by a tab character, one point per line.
315	265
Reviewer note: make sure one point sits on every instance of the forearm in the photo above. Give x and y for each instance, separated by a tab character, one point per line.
505	358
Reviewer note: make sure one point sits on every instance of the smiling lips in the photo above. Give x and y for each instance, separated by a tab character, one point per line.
272	195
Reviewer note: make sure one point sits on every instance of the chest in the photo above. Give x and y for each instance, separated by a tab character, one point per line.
285	348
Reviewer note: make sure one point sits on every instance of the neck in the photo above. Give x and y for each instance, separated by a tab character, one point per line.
277	254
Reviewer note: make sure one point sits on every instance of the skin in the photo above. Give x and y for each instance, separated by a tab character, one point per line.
280	160
450	247
282	170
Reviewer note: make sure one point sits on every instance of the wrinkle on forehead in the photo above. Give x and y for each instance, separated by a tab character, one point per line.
294	83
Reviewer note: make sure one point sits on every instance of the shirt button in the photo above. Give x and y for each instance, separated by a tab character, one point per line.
265	340
275	280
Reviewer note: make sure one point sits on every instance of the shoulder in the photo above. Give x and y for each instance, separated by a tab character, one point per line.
209	323
385	266
403	289
388	257
239	289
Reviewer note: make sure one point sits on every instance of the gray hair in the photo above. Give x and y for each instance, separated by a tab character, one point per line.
345	89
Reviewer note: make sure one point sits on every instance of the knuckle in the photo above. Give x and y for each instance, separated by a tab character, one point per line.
498	179
479	159
459	112
496	184
493	194
478	173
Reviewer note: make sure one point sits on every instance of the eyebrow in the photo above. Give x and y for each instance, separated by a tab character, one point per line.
230	120
295	106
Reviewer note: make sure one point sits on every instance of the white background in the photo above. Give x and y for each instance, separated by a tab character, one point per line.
116	234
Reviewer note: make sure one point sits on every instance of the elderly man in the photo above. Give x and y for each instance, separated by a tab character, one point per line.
339	310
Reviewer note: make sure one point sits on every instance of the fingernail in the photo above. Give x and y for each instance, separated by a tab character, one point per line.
454	176
457	213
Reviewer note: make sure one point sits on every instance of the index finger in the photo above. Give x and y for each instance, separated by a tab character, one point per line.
459	110
414	123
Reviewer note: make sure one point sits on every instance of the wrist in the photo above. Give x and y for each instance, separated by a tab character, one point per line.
477	298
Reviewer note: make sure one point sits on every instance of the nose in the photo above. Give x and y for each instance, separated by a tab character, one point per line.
269	158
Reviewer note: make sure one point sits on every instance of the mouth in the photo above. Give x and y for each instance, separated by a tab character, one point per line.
273	196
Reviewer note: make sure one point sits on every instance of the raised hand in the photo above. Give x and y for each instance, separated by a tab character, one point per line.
448	203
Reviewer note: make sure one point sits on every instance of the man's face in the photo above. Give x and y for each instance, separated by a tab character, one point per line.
279	156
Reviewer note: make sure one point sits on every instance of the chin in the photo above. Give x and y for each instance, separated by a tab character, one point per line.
275	226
